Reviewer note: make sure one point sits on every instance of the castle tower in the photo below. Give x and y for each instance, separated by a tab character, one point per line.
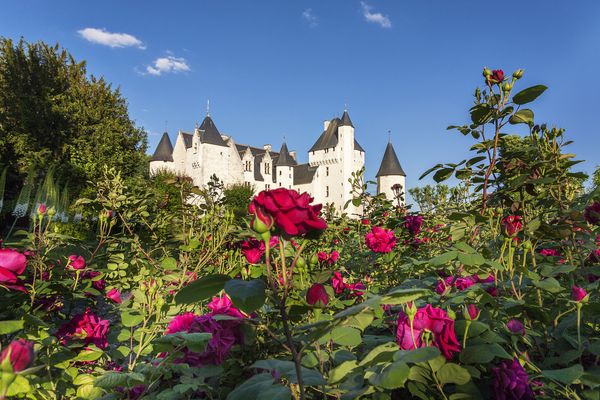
162	159
284	168
391	174
347	157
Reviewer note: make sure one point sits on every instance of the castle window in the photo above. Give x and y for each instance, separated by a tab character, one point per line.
279	173
267	187
279	184
248	166
326	191
326	171
267	169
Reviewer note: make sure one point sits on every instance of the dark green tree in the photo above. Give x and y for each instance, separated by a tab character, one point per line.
52	114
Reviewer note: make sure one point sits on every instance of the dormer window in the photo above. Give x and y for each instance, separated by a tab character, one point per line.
267	169
248	166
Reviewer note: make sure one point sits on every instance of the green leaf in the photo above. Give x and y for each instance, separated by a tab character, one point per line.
443	174
341	371
402	296
201	289
417	355
453	373
382	353
345	336
392	376
260	386
360	320
131	318
482	353
288	370
246	295
549	285
444	258
564	375
111	380
356	201
168	263
7	327
481	114
430	170
528	95
524	116
91	354
471	260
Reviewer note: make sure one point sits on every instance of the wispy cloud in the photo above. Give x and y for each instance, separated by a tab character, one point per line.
164	65
310	17
376	18
111	39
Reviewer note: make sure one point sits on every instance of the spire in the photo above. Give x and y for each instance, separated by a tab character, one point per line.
208	108
346	121
285	159
390	164
210	134
164	150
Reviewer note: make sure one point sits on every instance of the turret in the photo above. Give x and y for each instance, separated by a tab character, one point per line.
162	159
391	178
284	168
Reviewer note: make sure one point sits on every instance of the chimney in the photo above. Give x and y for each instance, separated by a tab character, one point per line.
267	147
326	124
293	154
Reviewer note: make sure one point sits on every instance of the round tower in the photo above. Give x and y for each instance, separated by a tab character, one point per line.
391	178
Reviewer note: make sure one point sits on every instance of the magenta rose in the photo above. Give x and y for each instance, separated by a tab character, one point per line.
472	311
21	354
577	293
253	249
463	283
431	327
12	264
290	210
512	225
592	213
317	295
516	326
380	240
224	306
76	262
549	253
86	327
115	295
413	223
497	76
356	289
337	281
511	382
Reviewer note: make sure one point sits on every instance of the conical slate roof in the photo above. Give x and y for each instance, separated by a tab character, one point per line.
390	164
346	121
285	159
210	134
164	150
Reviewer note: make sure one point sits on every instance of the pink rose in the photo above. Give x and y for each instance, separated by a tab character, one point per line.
87	327
317	295
431	327
380	240
12	264
21	354
41	209
253	249
76	262
115	295
577	293
337	281
223	305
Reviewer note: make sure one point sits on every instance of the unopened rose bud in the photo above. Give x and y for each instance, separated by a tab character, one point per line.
518	74
506	87
314	260
486	72
41	209
301	263
51	212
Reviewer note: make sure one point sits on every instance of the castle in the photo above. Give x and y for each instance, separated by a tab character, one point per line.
331	161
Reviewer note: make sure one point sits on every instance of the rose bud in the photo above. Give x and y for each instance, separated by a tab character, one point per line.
41	209
21	354
317	296
506	87
301	263
516	326
518	74
472	312
578	293
486	72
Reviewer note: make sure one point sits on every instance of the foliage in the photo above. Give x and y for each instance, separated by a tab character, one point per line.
490	294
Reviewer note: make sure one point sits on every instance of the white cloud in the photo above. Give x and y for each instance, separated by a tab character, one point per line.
106	38
310	17
376	18
168	64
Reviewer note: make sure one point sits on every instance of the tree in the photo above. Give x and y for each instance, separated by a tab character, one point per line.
53	115
237	198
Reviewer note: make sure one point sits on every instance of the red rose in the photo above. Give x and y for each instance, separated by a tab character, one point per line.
380	240
253	249
87	327
337	281
413	223
21	354
473	311
431	327
512	225
12	264
497	76
578	293
290	210
317	295
76	262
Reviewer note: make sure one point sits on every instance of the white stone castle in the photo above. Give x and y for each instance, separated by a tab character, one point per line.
331	161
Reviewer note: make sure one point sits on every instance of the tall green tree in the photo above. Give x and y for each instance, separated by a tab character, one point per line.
52	114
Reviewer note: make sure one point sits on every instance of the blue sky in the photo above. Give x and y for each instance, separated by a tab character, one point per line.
273	68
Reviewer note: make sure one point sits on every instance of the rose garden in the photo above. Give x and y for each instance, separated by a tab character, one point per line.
491	293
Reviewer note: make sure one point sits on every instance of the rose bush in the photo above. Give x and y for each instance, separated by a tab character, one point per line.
489	294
